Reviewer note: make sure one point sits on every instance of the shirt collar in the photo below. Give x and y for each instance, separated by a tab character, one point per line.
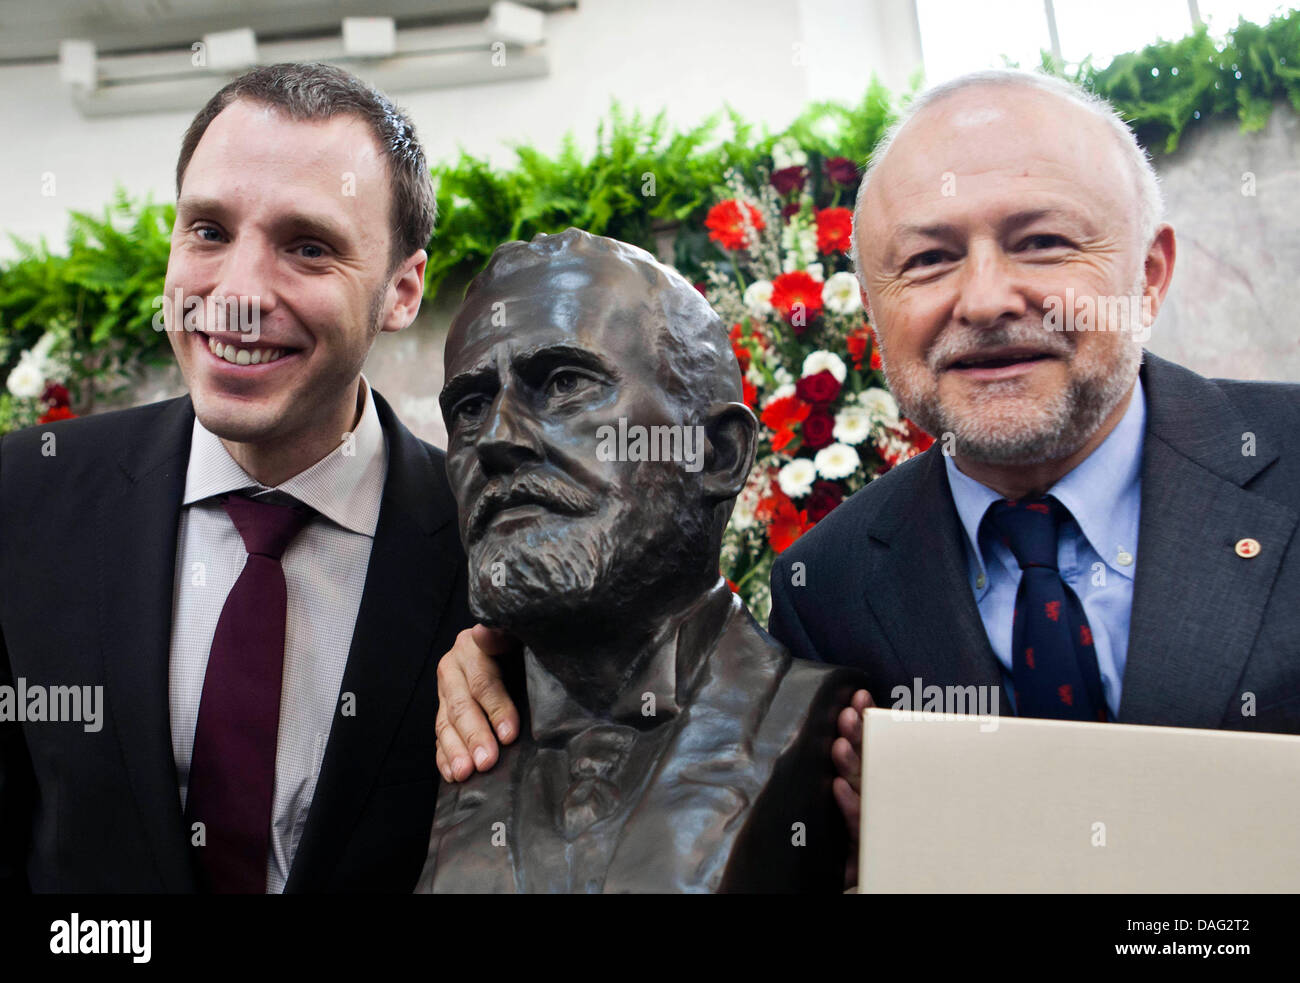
346	485
669	673
1102	492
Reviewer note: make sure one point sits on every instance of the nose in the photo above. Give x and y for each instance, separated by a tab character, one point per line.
989	294
245	274
509	438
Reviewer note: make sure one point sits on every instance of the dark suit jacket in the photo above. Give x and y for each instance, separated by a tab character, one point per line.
1214	639
87	557
746	758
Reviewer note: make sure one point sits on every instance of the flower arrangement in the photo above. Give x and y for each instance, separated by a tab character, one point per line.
828	422
34	393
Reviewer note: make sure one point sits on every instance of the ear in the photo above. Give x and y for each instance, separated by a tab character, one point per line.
408	284
1158	267
732	432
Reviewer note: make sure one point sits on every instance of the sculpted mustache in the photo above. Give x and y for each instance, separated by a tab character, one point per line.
952	344
559	496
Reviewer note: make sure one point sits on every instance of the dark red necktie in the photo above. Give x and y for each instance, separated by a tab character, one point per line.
232	769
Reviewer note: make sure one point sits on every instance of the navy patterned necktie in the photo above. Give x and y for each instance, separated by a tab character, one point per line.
1053	660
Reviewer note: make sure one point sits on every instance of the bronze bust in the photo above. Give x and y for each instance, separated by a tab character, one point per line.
596	443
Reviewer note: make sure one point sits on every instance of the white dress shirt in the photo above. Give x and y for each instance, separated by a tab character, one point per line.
325	572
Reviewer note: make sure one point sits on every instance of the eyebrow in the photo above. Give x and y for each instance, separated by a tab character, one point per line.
528	361
316	226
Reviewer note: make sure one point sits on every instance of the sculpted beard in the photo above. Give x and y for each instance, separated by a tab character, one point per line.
998	429
594	566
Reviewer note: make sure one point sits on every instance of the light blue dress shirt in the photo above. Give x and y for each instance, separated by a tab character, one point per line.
1097	555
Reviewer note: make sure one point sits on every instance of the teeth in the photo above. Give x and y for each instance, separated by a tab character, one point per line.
244	356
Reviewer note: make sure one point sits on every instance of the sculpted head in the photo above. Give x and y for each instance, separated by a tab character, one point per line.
1003	211
574	367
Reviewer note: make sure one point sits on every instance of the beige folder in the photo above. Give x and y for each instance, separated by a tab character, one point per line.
962	803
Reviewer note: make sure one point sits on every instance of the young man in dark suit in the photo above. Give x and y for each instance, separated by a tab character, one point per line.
252	582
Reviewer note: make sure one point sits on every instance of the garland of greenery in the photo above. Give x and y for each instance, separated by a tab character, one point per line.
97	297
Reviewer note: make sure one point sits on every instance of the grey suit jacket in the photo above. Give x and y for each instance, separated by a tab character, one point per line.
1215	637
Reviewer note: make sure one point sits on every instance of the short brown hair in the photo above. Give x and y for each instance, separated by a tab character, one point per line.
316	91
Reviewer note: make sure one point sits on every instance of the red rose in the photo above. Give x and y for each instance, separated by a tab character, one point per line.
817	429
55	395
819	388
822	500
56	413
789	180
841	170
834	229
790	209
726	223
798	298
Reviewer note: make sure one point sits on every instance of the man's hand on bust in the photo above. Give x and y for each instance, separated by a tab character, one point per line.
846	753
474	709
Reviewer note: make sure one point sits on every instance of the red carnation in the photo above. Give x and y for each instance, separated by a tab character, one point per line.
842	171
787	525
726	223
785	412
857	343
834	228
798	297
876	363
819	388
56	413
789	180
749	392
817	429
822	500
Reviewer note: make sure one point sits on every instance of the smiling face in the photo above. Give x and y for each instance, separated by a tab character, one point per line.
293	217
539	360
993	206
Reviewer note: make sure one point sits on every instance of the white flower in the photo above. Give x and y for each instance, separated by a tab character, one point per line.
742	516
758	297
814	270
821	360
799	243
796	478
787	153
780	392
880	404
840	295
837	461
27	379
852	425
754	373
783	377
41	350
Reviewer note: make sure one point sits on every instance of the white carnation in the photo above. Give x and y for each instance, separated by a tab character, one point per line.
840	294
27	379
758	297
797	477
837	461
821	360
852	425
880	404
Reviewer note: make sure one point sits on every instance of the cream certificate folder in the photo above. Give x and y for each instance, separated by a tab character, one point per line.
994	804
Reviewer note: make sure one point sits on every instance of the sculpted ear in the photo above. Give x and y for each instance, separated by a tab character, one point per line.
732	433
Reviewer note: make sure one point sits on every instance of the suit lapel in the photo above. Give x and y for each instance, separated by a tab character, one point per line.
412	571
914	579
1197	605
136	547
